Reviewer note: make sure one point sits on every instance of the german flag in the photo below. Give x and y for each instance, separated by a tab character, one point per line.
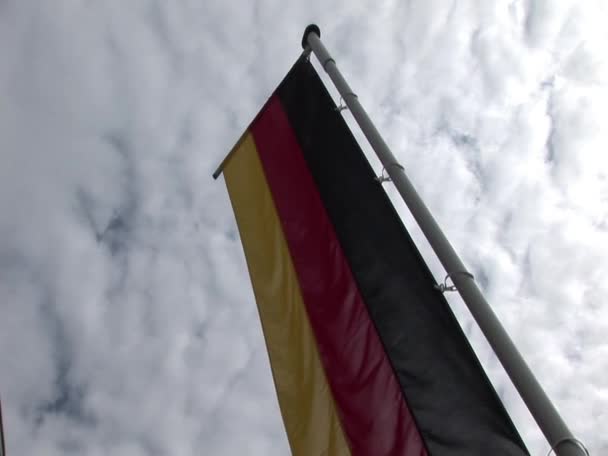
366	355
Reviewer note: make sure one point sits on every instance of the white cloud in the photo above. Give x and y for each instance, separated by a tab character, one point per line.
127	323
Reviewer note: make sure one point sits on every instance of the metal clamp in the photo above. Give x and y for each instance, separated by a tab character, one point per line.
577	442
385	177
342	106
443	287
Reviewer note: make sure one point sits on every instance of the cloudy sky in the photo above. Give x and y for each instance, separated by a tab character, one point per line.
127	321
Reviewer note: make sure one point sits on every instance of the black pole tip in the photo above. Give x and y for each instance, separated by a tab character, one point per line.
311	28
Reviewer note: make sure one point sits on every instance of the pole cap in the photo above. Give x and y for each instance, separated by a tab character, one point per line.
312	28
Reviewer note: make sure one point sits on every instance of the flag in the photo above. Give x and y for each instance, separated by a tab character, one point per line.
366	355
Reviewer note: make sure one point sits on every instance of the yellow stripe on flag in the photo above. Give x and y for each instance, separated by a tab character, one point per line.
306	402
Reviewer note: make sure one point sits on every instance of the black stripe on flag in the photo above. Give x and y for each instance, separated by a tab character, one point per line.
457	409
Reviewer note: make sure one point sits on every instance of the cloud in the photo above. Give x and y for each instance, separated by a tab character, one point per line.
127	319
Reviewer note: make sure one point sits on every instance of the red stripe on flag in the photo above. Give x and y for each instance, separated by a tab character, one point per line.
373	411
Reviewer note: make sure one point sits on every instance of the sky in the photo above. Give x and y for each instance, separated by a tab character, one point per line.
127	320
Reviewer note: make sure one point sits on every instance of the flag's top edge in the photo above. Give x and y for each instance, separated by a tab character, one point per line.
303	56
226	159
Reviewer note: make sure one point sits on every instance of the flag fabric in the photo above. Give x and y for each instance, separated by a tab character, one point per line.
366	355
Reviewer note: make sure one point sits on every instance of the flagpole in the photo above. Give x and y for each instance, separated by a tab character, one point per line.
2	445
548	419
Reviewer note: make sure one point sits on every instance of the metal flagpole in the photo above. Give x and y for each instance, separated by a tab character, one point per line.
2	446
555	430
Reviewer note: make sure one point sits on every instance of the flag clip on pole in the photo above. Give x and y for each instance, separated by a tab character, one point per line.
560	439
